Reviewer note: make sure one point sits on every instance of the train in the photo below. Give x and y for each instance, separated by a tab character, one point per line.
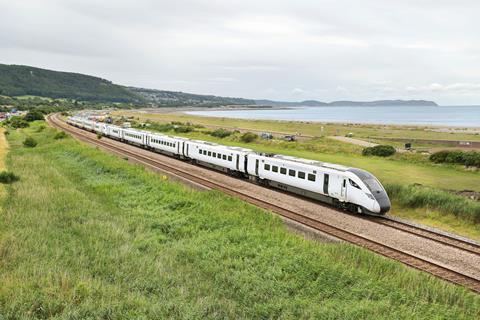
347	188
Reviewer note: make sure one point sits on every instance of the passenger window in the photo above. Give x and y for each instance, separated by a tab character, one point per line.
209	153
291	173
267	167
214	154
311	177
224	157
301	175
219	156
229	158
274	168
283	170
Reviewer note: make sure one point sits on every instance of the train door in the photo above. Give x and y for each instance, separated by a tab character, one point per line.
326	178
186	153
238	162
256	167
343	191
246	164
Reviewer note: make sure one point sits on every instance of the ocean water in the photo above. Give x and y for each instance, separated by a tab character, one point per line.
457	116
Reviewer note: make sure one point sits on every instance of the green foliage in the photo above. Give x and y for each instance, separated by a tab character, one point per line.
379	150
30	142
221	133
469	159
17	122
7	177
119	243
99	136
18	80
248	137
60	135
419	196
33	115
183	128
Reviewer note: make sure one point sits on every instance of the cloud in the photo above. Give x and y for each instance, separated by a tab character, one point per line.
257	49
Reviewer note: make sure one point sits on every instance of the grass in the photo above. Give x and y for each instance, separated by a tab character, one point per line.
3	154
96	237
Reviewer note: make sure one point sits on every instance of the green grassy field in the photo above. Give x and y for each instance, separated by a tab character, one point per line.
86	235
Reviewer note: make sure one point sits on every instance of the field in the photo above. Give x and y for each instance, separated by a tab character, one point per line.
93	236
3	154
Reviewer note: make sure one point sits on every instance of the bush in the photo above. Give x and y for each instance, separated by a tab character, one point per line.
182	129
469	159
60	135
221	133
33	115
29	142
17	122
248	137
8	177
380	150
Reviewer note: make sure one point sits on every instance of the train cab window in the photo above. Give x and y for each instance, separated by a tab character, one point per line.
274	168
291	173
209	153
283	170
224	157
354	184
229	158
267	167
311	177
301	175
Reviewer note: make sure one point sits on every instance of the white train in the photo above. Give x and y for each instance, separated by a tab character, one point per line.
352	189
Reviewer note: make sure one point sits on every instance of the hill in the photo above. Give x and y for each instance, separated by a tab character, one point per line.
315	103
176	98
16	80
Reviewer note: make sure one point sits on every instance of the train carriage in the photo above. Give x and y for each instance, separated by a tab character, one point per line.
135	137
224	158
166	144
114	132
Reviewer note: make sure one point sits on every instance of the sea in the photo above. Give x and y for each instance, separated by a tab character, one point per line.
454	116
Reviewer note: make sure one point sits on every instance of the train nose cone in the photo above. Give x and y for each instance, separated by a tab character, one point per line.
385	205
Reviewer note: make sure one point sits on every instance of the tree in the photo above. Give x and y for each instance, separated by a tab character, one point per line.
34	115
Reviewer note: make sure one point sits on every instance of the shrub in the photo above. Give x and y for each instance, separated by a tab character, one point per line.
40	128
99	136
17	122
469	159
60	135
8	177
248	137
221	133
182	129
380	150
29	142
33	115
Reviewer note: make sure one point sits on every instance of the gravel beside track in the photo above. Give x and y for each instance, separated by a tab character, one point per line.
371	233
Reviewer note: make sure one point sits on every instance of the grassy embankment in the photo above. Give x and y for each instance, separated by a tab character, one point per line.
84	234
400	173
3	154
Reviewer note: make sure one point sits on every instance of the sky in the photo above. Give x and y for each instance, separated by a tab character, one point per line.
265	49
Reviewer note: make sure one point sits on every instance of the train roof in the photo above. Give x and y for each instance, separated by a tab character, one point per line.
312	162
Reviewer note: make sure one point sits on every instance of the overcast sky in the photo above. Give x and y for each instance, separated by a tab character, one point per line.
283	50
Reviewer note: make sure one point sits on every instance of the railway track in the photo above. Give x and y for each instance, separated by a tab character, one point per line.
380	248
442	238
